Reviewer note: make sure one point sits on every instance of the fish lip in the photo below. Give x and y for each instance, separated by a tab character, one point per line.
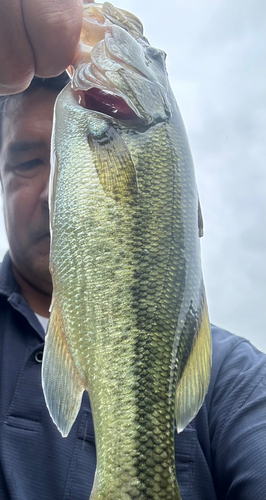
106	103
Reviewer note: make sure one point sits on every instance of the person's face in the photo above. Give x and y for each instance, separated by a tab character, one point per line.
24	169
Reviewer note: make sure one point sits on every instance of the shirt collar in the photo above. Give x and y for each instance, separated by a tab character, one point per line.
8	284
10	289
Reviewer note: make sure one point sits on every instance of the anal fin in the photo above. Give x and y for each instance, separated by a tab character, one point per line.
194	383
62	384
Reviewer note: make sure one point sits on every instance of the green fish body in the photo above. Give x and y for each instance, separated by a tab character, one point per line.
129	320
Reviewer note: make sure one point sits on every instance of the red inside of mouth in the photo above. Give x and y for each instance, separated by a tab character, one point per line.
109	104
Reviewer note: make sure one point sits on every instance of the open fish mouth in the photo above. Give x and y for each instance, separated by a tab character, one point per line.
107	103
116	72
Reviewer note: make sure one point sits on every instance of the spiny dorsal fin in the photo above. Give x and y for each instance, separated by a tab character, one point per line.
200	221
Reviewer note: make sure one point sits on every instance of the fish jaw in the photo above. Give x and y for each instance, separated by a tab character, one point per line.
115	58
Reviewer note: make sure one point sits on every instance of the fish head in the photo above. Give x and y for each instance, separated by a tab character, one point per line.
116	72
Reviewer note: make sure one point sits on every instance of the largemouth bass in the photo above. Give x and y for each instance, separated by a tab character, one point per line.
129	320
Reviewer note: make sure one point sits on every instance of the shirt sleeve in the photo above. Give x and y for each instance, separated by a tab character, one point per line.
237	422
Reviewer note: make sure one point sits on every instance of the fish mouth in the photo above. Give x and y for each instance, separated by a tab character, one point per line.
106	103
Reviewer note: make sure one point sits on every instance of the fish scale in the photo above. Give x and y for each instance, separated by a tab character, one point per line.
129	322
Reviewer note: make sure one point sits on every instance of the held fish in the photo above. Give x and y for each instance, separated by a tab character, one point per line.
129	320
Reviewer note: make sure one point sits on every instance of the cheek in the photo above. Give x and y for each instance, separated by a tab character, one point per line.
19	202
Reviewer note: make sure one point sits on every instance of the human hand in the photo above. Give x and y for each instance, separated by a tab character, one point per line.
36	38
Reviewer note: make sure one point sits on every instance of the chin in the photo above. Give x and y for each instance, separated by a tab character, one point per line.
42	272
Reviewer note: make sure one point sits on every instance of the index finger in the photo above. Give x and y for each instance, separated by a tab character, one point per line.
17	63
36	37
53	28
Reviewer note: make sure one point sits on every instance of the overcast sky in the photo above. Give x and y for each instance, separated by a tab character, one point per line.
216	63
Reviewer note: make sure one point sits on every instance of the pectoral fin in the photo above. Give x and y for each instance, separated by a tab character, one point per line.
114	164
62	384
194	383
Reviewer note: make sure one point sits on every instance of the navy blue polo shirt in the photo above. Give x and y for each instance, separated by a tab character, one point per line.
220	454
